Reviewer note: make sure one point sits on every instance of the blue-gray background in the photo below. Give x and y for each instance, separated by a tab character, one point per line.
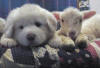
7	5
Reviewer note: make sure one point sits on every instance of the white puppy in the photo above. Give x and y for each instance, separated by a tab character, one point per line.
28	25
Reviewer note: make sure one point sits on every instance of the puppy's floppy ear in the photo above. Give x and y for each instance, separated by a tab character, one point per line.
52	23
88	14
9	31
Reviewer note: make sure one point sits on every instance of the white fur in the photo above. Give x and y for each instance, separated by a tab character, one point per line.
91	27
2	25
71	21
71	17
27	16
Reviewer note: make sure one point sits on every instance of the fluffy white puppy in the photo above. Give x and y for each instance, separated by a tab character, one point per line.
28	25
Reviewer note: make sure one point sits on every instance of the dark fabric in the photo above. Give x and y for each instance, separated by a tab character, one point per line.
25	55
2	51
22	55
46	61
83	59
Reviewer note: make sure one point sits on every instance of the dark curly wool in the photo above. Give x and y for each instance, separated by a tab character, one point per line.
83	59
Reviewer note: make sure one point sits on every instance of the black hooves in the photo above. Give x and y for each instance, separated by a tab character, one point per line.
81	45
69	48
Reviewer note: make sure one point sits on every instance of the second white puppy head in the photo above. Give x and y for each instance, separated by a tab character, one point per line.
30	25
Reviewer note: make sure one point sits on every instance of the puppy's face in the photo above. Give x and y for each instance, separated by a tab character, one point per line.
30	25
31	30
71	22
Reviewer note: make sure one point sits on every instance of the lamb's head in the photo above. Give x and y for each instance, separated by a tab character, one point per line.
71	20
30	25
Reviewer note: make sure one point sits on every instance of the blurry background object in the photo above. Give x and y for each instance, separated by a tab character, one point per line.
95	5
83	4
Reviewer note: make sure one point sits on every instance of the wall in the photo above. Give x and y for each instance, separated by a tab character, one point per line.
95	5
7	5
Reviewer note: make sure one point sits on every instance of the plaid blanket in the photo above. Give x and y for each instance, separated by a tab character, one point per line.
94	48
47	57
39	57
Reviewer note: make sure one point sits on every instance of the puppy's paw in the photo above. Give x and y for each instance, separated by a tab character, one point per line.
8	42
55	42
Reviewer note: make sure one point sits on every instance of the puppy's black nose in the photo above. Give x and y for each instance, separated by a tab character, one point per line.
31	37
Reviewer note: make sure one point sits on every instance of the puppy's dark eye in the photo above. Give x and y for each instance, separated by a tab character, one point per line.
62	20
38	24
21	27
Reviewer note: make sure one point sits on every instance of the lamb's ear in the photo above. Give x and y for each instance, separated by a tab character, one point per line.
88	14
9	31
57	15
52	23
